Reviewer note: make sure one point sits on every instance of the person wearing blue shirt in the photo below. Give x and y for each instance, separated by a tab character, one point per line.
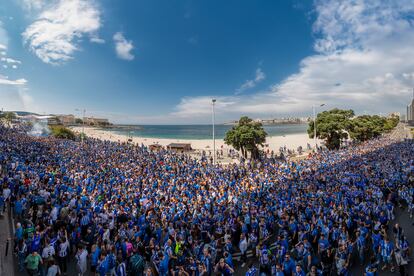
228	259
299	271
372	268
163	267
121	268
360	242
95	254
376	239
252	271
288	265
103	266
323	243
18	209
386	252
18	234
278	271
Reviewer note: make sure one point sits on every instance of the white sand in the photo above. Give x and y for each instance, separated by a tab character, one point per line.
291	141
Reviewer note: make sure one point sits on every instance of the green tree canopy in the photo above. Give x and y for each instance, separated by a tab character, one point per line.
363	128
62	132
391	122
8	116
366	127
246	136
331	126
335	125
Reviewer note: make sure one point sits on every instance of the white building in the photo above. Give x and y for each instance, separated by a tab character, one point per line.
410	113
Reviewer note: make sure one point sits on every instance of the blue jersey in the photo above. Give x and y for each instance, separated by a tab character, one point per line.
36	243
121	270
252	271
386	248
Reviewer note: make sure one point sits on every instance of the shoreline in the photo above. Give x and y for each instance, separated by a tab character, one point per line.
290	141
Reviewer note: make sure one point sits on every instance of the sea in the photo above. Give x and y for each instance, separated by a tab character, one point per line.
200	132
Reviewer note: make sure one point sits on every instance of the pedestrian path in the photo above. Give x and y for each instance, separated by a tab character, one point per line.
6	246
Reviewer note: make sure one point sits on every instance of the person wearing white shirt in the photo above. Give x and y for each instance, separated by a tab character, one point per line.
48	252
6	193
106	235
63	253
82	262
6	197
243	249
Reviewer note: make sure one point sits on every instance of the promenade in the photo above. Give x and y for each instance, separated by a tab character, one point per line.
7	259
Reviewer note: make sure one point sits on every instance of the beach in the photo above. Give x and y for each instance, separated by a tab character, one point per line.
290	141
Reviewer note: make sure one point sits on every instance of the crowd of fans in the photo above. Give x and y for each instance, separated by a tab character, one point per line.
120	209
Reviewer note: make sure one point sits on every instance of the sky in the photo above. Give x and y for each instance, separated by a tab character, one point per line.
163	61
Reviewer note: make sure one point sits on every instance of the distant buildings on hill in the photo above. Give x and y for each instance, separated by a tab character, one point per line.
96	121
278	121
62	119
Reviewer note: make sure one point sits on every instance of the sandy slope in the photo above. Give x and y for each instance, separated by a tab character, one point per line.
292	141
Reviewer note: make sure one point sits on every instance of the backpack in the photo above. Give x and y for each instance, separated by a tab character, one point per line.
137	264
111	261
38	200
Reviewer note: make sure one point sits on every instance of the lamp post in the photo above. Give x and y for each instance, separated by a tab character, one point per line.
213	101
314	126
83	123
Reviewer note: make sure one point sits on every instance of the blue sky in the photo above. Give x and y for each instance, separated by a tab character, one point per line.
162	61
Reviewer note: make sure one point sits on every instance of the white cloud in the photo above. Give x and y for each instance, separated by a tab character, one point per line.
96	39
10	60
5	81
123	47
55	34
3	53
364	61
14	66
260	76
3	47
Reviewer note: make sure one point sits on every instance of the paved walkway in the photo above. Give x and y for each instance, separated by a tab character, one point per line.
7	266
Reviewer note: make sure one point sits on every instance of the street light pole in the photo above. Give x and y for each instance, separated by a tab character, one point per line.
214	138
314	126
83	125
83	122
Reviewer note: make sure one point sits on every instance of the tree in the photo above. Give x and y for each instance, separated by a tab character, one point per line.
62	132
363	128
9	116
78	121
391	122
246	136
331	126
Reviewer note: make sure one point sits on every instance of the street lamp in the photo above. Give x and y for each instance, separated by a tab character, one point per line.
213	101
83	123
314	126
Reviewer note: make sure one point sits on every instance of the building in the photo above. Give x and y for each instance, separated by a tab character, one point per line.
66	119
410	112
32	118
95	121
155	147
179	147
